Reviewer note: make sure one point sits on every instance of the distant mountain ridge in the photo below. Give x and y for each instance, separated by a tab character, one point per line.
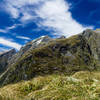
47	56
4	59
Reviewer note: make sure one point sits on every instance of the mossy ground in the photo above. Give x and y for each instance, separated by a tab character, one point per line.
82	85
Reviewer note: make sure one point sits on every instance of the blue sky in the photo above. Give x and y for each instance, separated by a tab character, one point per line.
24	20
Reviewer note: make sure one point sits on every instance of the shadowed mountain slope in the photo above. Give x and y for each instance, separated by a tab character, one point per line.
4	59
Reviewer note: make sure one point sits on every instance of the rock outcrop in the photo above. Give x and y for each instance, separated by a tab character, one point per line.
93	38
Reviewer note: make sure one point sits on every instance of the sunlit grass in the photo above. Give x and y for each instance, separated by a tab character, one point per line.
82	85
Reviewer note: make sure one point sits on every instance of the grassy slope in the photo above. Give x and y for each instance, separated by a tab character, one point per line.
82	85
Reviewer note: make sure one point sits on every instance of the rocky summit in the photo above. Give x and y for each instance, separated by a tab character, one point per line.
45	57
30	46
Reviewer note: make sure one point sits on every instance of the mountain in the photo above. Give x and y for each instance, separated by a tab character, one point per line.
29	46
4	59
53	69
45	56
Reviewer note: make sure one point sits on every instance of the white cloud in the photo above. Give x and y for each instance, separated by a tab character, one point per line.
7	29
17	7
54	13
23	37
13	11
26	18
57	16
9	43
11	27
3	31
3	49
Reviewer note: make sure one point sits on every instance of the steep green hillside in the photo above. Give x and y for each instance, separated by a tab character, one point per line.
65	56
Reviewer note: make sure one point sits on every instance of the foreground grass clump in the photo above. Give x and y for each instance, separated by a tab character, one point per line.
82	85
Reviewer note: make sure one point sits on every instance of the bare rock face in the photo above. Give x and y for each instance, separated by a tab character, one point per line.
93	38
4	59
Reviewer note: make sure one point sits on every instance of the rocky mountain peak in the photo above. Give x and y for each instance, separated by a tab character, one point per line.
35	43
30	46
41	39
87	33
62	37
93	39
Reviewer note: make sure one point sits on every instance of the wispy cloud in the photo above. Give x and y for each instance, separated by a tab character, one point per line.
23	37
13	11
3	31
23	7
26	18
55	15
9	43
7	29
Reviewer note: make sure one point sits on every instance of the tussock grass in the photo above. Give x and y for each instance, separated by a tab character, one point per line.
82	85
